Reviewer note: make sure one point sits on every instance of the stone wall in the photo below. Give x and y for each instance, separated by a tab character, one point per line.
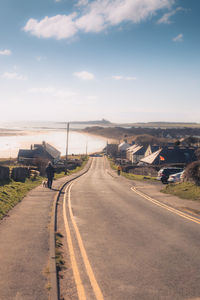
4	173
20	174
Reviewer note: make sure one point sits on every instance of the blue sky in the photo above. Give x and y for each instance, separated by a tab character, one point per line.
123	60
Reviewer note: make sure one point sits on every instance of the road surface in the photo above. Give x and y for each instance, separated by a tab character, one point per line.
129	247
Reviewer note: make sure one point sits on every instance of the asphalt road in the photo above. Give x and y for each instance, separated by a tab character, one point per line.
137	250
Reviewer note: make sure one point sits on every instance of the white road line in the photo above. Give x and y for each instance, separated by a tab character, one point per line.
173	210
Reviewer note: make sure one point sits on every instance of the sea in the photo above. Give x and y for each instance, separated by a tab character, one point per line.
54	133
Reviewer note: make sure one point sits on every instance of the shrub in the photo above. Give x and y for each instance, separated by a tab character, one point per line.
192	172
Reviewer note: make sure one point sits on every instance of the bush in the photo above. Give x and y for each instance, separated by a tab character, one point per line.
192	172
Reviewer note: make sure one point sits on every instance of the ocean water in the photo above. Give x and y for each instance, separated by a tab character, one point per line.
78	143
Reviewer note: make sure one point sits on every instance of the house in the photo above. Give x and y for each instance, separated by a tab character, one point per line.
43	151
170	156
122	149
151	149
129	151
135	153
123	146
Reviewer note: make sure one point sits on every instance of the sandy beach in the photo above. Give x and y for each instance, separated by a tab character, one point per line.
108	140
79	143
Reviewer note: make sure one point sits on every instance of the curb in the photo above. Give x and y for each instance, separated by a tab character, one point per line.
54	291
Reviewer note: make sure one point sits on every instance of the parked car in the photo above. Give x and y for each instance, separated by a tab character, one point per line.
164	173
183	176
175	177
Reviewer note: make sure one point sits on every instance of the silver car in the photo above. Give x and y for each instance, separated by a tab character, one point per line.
175	177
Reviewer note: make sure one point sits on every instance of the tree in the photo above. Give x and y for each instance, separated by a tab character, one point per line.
191	140
192	172
197	153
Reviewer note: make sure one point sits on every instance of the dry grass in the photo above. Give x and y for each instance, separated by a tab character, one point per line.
184	190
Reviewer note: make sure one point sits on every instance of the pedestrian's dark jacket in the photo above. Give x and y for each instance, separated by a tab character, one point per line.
50	171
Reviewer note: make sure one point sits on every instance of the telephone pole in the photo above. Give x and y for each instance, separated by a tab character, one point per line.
67	144
86	148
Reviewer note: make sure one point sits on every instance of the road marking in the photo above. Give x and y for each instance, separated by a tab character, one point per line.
77	278
93	281
110	174
174	210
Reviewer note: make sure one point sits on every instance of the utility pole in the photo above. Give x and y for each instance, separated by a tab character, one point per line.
86	148
67	143
107	149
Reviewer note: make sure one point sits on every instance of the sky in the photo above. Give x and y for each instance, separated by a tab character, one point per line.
122	60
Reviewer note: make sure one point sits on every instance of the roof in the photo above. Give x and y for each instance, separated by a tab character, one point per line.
26	153
132	147
154	148
151	158
123	146
39	149
52	151
139	150
171	155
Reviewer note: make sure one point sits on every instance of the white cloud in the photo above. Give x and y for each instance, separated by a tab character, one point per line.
95	16
82	3
5	52
84	75
13	75
117	77
59	27
58	93
178	38
166	17
105	13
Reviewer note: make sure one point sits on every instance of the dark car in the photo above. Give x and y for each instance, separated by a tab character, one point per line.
164	173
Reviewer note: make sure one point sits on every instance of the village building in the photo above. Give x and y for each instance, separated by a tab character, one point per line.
129	151
122	148
42	151
135	153
171	156
151	149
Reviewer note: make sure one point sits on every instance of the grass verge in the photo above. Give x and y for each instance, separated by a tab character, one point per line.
184	190
69	172
60	263
13	192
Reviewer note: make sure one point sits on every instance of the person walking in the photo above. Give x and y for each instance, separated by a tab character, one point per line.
50	174
119	169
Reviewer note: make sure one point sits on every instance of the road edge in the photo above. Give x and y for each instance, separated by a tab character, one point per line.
54	287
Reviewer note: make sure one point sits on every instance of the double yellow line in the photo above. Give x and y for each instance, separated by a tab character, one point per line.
173	210
90	273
